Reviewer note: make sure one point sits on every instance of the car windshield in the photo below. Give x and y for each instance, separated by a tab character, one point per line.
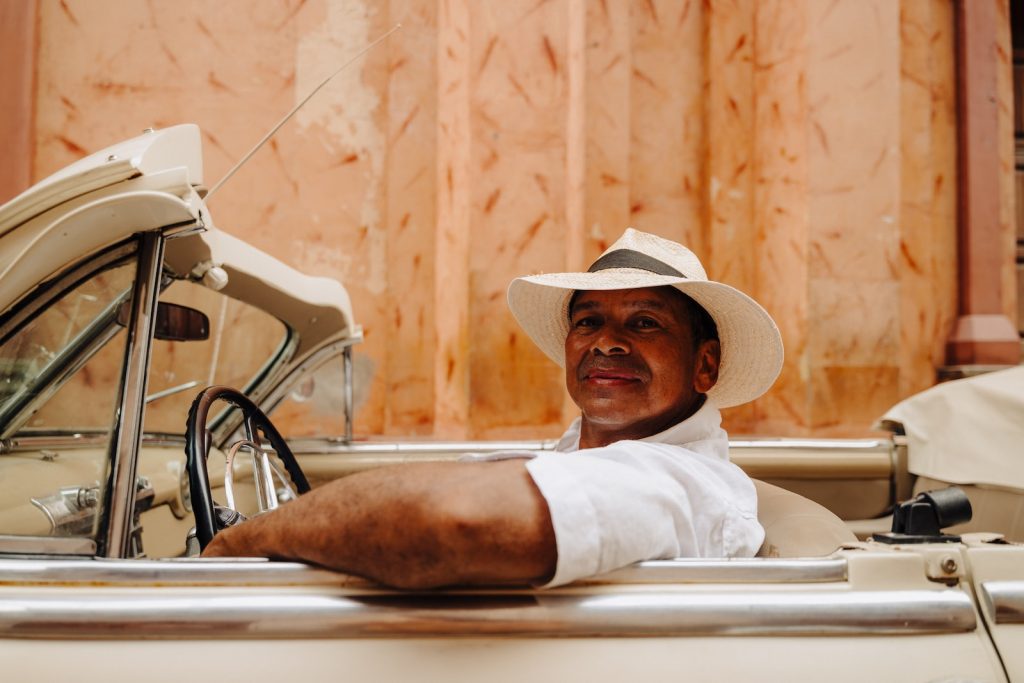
52	352
62	363
244	341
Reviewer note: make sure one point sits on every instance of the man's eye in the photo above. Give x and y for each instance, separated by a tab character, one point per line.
646	323
586	321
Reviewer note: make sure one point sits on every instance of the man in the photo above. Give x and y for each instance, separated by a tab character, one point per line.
651	350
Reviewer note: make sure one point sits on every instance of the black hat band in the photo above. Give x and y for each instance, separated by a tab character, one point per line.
628	258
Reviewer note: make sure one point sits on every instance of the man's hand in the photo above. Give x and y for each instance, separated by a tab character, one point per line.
412	526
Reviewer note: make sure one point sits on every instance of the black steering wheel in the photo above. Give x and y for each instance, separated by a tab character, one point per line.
197	451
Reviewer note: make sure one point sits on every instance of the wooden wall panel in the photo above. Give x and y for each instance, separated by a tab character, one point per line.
518	200
780	160
853	166
17	82
411	194
731	253
1005	136
806	150
927	206
668	142
453	227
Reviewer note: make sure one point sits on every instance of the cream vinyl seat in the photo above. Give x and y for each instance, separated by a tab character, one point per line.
795	526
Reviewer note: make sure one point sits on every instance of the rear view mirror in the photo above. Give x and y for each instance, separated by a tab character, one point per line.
173	322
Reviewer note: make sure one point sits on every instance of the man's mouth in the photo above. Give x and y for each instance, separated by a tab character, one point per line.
610	376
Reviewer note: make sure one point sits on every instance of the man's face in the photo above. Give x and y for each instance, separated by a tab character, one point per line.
631	364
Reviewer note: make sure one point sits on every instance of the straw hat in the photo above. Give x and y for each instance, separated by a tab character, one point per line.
751	343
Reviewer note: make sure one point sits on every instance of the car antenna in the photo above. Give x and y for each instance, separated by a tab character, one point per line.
284	120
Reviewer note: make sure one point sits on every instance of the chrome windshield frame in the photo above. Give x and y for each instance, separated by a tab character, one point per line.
119	491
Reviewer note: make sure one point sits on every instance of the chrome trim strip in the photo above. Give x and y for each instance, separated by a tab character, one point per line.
836	446
1005	600
346	356
206	613
258	572
45	545
753	570
23	443
335	446
813	444
119	492
309	364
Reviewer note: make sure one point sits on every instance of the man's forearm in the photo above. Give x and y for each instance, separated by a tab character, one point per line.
412	526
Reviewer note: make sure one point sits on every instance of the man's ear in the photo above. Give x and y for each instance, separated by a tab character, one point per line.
707	360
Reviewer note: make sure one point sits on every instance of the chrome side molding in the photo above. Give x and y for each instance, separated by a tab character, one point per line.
131	615
257	572
1005	600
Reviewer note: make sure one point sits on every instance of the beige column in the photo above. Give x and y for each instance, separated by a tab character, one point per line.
984	333
854	181
451	274
732	234
17	82
927	261
412	220
781	113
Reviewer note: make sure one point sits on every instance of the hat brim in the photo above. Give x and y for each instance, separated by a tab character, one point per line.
752	351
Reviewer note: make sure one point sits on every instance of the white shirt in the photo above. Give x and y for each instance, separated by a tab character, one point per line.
673	494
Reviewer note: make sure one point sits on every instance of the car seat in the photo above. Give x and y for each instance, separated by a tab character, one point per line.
795	526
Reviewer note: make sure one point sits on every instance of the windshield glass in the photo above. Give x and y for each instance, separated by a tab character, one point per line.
243	340
51	351
61	372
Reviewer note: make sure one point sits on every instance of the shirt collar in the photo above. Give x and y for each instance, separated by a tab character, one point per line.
703	425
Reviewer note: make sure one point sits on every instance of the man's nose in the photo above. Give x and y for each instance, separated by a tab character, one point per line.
611	340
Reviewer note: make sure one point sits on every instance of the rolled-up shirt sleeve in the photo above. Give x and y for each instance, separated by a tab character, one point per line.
637	500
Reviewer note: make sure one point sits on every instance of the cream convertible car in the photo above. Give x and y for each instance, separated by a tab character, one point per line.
120	300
